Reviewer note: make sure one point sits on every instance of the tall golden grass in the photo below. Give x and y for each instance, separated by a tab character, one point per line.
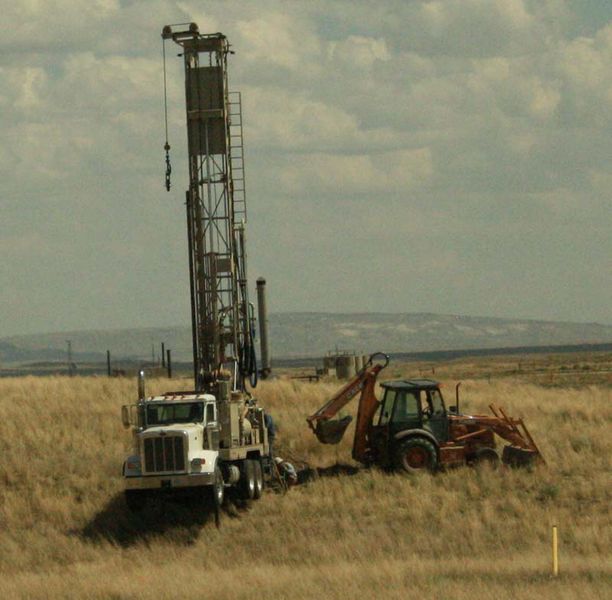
65	531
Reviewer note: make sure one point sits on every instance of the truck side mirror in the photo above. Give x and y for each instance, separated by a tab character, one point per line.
452	409
125	416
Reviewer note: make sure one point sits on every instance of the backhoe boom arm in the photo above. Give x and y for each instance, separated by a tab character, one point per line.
331	432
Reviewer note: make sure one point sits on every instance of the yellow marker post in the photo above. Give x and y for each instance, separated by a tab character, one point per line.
555	553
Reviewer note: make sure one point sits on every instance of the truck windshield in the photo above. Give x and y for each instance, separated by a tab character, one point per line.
176	412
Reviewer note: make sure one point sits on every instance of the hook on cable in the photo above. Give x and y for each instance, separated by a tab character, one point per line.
168	166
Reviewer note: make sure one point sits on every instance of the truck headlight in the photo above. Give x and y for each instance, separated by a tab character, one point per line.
196	463
133	463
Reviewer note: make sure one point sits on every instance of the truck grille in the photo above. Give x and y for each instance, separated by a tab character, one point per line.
164	454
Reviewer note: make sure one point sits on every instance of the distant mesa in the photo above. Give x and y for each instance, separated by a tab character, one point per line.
305	334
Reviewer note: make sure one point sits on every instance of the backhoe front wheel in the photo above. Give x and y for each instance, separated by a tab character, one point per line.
416	455
486	457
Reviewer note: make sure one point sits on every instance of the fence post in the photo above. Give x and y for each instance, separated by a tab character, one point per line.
555	553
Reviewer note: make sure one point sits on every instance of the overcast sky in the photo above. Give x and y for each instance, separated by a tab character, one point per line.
449	156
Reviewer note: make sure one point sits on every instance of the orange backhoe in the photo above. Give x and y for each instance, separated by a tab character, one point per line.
410	429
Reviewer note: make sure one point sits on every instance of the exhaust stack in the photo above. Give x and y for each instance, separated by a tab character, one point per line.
263	328
141	384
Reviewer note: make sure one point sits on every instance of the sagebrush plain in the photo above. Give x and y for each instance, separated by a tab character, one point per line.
352	533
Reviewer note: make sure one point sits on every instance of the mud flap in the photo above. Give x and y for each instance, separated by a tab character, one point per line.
519	457
331	431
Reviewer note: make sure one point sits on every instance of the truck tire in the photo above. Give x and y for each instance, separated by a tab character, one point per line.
259	480
217	489
247	480
416	455
135	500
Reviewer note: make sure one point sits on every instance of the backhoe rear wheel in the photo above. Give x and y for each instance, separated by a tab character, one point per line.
416	455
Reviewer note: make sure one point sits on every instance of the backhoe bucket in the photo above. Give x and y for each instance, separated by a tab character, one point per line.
331	431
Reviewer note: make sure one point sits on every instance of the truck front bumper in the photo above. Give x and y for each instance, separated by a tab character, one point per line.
161	482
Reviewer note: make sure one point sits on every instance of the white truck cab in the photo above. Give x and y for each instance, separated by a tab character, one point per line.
175	445
189	441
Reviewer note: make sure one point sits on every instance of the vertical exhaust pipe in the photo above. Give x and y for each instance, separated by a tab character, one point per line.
263	328
141	385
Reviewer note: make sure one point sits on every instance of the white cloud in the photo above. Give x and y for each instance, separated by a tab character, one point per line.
275	39
437	121
477	27
388	172
585	68
359	51
281	118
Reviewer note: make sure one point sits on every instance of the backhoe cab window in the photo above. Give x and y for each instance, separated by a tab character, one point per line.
386	407
183	412
406	406
436	404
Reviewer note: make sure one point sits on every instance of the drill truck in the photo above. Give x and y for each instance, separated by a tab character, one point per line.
214	436
411	430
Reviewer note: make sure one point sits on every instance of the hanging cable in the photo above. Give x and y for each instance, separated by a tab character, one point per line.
166	145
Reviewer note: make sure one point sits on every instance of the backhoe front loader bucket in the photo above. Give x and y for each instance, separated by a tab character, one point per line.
522	450
331	431
514	456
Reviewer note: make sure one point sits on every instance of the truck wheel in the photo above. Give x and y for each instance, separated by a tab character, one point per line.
247	480
135	500
486	457
259	480
217	489
416	455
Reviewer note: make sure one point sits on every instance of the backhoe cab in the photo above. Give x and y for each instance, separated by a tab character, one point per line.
411	425
411	429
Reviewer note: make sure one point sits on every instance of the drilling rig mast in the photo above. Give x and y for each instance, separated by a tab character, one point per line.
222	317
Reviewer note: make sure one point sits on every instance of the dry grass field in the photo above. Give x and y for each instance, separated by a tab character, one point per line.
352	533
